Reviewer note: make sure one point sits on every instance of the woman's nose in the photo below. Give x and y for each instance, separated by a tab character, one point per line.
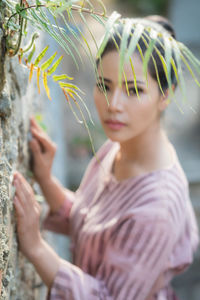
115	101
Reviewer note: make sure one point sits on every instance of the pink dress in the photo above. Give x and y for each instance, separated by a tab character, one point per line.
129	238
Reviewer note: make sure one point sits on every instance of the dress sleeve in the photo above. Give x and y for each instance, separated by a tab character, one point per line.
135	258
59	221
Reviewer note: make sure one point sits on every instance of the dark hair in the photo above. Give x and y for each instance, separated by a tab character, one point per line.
164	22
115	39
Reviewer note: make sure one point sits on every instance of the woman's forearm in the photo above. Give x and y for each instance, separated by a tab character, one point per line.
53	192
46	262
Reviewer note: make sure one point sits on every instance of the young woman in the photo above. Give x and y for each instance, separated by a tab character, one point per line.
131	220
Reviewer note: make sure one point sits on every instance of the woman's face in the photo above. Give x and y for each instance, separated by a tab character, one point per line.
127	117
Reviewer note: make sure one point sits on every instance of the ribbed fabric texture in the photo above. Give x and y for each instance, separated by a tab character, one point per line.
129	238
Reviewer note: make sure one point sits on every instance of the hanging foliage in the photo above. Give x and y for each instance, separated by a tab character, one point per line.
45	15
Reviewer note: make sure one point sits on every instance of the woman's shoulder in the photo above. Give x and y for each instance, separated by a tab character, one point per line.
162	193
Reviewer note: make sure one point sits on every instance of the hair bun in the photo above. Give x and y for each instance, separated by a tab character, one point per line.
164	22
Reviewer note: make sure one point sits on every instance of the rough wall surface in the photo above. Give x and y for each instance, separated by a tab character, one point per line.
18	276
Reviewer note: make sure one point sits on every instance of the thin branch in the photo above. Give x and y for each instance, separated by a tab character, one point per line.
73	7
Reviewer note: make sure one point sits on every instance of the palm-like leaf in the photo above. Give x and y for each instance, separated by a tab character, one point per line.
46	15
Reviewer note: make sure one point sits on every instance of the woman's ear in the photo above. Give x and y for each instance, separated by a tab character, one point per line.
165	99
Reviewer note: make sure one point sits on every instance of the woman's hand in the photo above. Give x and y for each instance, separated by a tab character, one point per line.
43	150
28	215
41	255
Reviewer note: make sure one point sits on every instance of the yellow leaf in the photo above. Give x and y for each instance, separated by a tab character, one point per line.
20	59
46	85
31	72
38	79
65	93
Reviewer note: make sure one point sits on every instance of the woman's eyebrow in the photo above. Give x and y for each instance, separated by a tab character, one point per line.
132	82
104	79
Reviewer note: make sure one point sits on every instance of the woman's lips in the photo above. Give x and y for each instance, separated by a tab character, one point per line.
115	125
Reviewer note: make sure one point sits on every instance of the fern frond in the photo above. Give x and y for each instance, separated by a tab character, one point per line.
47	63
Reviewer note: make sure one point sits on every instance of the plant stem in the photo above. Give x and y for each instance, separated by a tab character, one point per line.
21	21
73	7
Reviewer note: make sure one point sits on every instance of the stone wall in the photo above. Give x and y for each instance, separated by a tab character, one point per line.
16	104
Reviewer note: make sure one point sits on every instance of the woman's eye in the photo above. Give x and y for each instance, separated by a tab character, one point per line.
102	87
132	91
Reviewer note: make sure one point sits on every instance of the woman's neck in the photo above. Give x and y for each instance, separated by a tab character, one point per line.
143	154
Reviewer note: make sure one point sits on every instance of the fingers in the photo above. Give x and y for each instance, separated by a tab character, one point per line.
41	137
18	207
36	148
44	140
34	123
23	192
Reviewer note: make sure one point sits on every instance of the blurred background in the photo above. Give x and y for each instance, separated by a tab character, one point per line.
74	147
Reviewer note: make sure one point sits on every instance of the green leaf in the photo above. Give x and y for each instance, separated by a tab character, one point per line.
99	19
48	62
123	46
40	56
168	56
71	30
85	22
71	43
126	83
61	77
190	70
189	54
148	52
134	78
84	122
23	13
177	54
18	8
38	2
157	75
31	54
70	85
88	50
82	101
65	91
34	37
54	67
190	57
138	30
102	6
109	25
175	70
